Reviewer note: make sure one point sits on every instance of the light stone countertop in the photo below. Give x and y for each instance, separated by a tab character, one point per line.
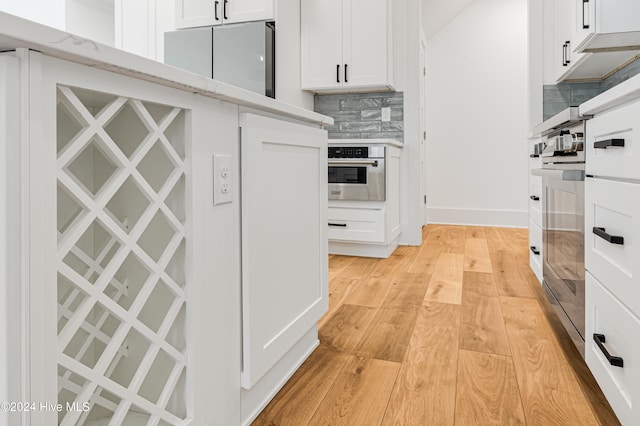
390	142
624	92
18	33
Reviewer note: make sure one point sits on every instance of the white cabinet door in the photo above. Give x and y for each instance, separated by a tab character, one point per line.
284	238
365	49
198	13
247	10
321	32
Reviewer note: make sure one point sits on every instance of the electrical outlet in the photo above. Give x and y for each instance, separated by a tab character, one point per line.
222	188
386	114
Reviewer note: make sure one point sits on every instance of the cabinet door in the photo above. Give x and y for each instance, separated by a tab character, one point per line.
284	238
365	49
198	13
583	21
247	10
321	32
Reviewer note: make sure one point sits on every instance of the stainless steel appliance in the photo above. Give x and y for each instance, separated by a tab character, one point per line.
238	54
357	173
563	173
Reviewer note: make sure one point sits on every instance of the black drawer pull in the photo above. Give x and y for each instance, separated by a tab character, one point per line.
609	143
613	239
535	198
616	361
342	225
534	155
534	250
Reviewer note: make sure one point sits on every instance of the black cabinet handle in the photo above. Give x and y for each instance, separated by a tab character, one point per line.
535	198
341	225
338	73
613	239
224	10
534	250
616	361
619	143
217	4
564	55
346	80
585	14
567	45
534	155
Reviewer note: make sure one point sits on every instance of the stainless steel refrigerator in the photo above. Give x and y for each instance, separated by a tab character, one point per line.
239	54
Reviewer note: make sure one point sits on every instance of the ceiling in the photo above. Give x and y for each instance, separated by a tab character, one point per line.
436	14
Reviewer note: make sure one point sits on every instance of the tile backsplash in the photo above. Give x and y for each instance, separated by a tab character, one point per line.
557	97
359	115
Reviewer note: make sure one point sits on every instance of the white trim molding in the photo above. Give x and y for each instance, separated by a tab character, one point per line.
458	216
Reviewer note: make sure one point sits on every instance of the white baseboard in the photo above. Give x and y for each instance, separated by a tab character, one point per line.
361	249
503	218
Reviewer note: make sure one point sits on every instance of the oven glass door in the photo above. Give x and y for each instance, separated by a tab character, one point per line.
563	238
357	179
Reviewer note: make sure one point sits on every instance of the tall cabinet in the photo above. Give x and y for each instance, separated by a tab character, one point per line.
347	45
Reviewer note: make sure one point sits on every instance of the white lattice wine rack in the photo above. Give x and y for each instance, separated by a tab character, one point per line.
121	260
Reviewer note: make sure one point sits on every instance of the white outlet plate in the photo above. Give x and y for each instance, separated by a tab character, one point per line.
222	188
386	114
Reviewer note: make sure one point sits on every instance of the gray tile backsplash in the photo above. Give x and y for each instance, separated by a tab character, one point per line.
359	115
557	97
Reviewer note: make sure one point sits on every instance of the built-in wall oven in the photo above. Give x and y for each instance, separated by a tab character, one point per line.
563	173
357	173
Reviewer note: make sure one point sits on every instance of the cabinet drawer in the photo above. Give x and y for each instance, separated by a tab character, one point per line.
614	207
535	199
621	126
605	315
535	245
357	225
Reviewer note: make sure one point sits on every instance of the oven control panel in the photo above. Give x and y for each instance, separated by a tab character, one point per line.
356	152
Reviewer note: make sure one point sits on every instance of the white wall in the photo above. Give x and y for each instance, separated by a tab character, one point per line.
47	12
91	19
477	116
288	55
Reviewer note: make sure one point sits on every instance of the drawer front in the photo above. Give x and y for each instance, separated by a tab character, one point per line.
605	315
356	225
535	163
535	199
535	241
614	161
614	207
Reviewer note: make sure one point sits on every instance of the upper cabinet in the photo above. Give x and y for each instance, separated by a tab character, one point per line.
347	45
588	41
611	24
199	13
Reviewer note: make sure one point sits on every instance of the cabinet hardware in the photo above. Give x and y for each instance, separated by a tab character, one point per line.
613	239
342	225
535	198
534	155
215	7
338	73
346	80
600	340
534	250
564	55
224	10
585	14
609	143
567	49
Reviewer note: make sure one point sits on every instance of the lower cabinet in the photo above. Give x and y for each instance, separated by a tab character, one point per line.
357	225
535	213
612	348
284	238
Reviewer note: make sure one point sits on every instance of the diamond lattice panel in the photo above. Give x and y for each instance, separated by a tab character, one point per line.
121	264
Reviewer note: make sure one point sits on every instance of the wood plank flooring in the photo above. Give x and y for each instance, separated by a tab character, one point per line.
454	332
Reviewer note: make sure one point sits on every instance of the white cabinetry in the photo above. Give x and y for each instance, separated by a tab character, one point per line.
140	26
346	45
535	213
567	58
368	228
284	238
612	234
199	13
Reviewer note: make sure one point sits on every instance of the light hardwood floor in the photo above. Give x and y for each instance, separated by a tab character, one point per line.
455	332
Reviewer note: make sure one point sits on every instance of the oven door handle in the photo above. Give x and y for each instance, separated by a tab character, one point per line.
568	175
373	163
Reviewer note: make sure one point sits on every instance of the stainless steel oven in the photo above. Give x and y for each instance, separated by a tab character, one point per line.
357	173
563	173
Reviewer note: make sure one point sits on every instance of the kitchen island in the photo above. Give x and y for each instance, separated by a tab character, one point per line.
158	263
